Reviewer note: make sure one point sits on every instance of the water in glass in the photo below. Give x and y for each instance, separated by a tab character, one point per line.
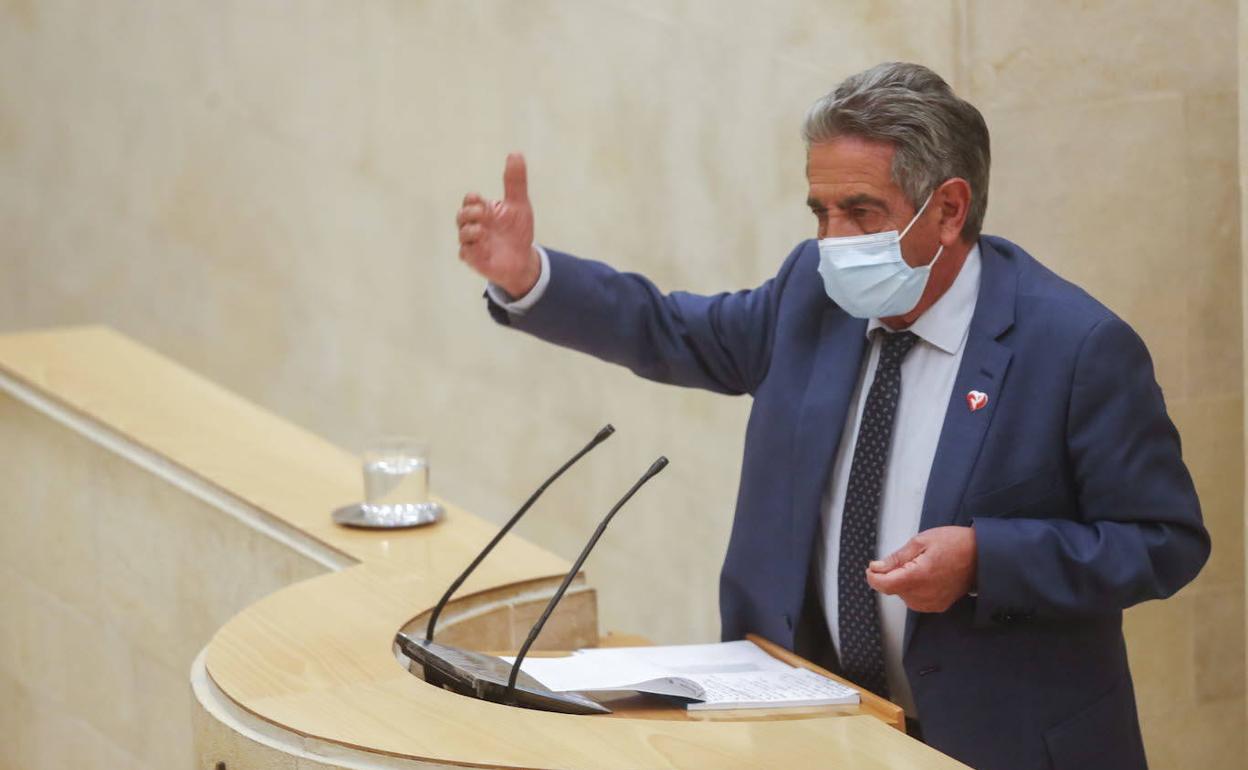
396	483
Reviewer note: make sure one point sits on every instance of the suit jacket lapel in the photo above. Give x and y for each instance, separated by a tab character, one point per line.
983	369
821	420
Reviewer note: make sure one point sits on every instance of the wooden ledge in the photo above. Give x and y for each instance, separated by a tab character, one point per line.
316	659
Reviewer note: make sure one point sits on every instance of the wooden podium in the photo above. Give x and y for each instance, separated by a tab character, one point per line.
302	671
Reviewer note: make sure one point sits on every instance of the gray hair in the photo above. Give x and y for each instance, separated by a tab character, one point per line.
937	135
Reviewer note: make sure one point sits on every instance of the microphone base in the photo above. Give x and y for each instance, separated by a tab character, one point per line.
485	677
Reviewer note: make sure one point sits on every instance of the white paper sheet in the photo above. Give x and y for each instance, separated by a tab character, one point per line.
796	687
726	675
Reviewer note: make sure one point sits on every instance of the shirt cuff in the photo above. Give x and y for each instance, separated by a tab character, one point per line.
521	306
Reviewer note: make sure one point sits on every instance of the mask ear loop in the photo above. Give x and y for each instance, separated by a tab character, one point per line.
918	214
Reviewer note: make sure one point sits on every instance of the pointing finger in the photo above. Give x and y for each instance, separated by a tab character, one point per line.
515	179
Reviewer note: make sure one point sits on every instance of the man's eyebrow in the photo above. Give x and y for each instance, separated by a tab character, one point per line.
860	199
857	199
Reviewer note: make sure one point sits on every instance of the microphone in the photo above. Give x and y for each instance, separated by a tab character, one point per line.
487	677
602	436
653	471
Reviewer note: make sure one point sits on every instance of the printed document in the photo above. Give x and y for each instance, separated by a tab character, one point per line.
709	676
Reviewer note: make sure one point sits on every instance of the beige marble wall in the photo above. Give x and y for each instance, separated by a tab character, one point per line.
1243	180
265	192
1243	200
111	582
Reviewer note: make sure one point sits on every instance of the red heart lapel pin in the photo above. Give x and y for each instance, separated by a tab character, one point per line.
976	400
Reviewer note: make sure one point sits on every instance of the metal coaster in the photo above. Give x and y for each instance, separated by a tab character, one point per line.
416	516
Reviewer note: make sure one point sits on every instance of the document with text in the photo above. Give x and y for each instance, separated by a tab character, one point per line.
729	675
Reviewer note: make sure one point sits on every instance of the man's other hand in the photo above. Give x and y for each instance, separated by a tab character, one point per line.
930	572
496	237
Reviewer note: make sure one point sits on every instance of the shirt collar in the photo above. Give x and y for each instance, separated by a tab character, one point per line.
945	324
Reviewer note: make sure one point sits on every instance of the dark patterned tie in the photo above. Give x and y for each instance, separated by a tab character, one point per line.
862	653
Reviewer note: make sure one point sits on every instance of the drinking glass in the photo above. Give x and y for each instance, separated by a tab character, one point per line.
396	479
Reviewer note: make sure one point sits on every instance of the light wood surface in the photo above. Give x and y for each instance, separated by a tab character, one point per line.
316	658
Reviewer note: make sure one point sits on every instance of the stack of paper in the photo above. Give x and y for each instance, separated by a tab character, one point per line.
713	676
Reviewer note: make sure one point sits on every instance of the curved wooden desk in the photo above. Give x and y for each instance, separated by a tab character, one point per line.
307	677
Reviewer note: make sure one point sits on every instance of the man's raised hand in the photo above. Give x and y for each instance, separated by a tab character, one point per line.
496	237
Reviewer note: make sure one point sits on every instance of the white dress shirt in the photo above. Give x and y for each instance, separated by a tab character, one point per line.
927	375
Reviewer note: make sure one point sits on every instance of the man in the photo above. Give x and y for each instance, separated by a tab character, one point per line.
958	468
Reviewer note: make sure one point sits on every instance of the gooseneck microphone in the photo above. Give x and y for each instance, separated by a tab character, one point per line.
602	436
509	695
487	677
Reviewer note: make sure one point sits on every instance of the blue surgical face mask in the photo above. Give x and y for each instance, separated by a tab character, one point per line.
866	275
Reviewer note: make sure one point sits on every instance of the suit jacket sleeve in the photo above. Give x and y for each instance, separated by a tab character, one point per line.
1136	533
720	342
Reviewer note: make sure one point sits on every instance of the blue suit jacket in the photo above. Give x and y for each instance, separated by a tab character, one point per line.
1071	475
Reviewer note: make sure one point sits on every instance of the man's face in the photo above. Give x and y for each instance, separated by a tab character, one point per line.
852	192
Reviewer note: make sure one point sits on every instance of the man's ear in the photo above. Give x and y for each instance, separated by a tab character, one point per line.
954	199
